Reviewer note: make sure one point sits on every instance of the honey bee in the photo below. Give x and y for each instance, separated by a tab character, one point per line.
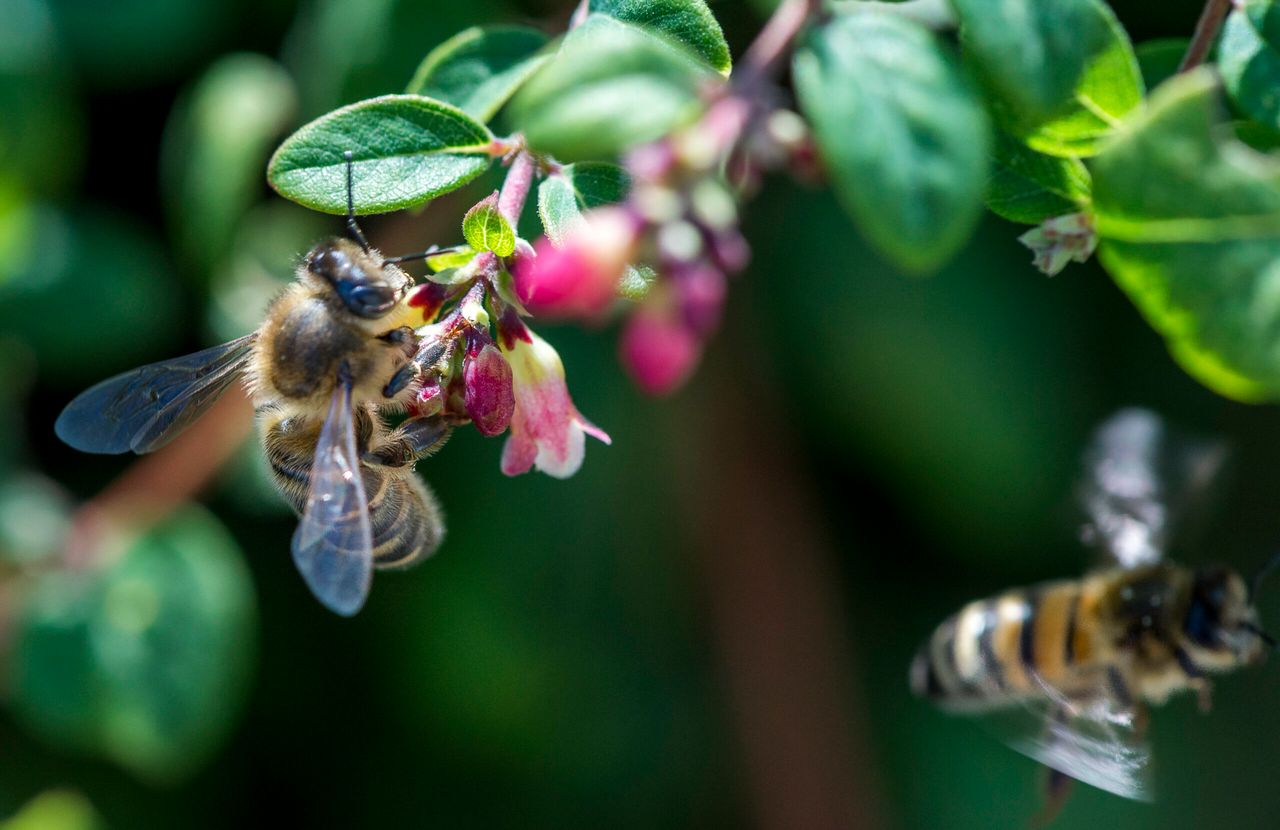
334	352
1086	656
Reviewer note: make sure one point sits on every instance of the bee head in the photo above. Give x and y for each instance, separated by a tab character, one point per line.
365	287
1221	617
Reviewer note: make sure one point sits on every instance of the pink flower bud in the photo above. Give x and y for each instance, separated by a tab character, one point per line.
701	290
488	394
578	278
658	350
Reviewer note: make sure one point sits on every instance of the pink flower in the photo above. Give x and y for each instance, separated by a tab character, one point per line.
658	350
489	396
547	431
577	275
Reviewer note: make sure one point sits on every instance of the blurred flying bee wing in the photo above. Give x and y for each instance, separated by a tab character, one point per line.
333	545
1097	740
1139	480
145	408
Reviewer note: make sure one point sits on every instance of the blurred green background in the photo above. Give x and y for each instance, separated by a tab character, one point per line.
708	626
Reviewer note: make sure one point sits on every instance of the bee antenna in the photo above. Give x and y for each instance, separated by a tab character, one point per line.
1266	570
351	205
1260	634
434	249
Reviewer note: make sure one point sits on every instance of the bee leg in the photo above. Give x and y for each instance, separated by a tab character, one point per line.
1057	786
414	439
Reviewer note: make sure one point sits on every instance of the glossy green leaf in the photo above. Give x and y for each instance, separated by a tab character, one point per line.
563	196
479	69
1032	53
687	21
1109	89
1030	187
486	229
1159	59
902	132
451	259
146	662
1189	221
610	86
216	142
406	150
1249	59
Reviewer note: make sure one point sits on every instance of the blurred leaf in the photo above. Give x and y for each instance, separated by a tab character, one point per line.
41	133
485	229
35	515
610	86
1260	137
55	810
98	296
1030	187
406	149
137	42
216	142
479	69
1159	59
1032	53
257	264
145	662
451	259
1189	222
1249	59
901	130
1108	89
17	371
688	21
563	196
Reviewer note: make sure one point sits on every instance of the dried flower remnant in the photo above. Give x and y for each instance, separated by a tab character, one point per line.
1059	240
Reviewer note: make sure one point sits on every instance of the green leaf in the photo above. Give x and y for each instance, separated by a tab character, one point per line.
687	21
904	135
563	196
1249	59
451	259
1030	187
216	141
406	150
1109	89
145	662
479	69
486	229
1189	221
55	810
611	86
1159	59
1032	53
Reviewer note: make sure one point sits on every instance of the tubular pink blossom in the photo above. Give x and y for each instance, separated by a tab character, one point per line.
547	431
577	276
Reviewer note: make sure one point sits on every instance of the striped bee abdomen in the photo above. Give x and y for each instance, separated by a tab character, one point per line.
1001	649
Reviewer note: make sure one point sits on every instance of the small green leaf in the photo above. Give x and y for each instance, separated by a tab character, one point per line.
1159	59
55	810
636	281
1031	53
215	143
563	196
406	150
901	130
1030	187
479	69
687	21
451	259
1189	221
485	228
1249	59
1109	89
610	86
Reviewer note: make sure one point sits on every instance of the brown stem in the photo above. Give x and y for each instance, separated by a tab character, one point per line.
1207	27
775	40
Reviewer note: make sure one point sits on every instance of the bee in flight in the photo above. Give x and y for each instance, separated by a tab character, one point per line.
334	351
1085	657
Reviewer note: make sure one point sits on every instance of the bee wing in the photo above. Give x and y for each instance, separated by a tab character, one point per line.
145	408
333	545
1098	741
1139	478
